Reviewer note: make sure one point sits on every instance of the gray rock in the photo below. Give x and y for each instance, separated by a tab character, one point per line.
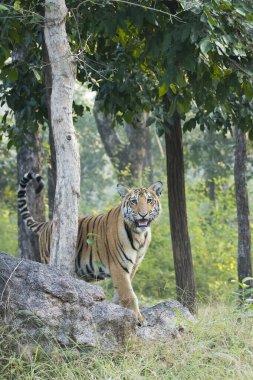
164	320
48	305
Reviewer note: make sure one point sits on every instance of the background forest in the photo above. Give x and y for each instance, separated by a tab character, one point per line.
209	160
146	72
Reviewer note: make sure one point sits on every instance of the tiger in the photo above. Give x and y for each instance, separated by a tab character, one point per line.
108	245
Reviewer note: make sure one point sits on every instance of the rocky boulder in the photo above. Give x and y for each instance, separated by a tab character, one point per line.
48	305
164	320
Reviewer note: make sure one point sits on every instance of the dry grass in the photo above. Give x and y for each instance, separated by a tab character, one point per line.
219	346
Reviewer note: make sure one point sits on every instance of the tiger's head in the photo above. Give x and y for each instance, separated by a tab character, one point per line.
141	206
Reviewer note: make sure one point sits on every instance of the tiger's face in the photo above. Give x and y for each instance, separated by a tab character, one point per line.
140	207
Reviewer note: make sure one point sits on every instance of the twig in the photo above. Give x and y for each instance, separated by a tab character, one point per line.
14	270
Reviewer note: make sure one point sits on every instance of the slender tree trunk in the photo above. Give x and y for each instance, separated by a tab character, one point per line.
148	160
210	185
139	147
130	159
30	158
185	282
65	217
51	174
114	147
52	157
242	204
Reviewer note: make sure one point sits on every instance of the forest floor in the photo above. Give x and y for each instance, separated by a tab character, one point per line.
219	346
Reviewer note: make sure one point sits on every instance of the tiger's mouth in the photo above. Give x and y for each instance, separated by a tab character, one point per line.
142	223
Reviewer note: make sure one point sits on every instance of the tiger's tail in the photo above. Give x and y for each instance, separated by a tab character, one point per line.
30	223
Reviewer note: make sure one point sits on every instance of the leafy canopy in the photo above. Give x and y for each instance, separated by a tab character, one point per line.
199	54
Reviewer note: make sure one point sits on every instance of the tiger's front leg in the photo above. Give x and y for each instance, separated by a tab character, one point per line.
124	293
115	298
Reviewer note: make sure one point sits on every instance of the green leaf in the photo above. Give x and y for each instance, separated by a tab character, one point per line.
11	73
10	144
151	120
128	117
91	238
183	106
210	19
37	75
189	124
251	134
239	52
159	128
248	90
78	108
91	241
247	279
217	72
240	11
173	88
220	46
163	90
123	36
136	53
205	45
3	8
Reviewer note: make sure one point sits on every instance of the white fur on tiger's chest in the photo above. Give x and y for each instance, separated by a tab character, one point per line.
136	247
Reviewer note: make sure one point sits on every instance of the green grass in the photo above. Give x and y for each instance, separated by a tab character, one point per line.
8	230
219	346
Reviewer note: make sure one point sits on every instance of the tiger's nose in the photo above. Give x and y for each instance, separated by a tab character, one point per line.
143	215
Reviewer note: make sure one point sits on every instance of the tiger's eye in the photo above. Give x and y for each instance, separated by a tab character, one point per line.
149	200
133	201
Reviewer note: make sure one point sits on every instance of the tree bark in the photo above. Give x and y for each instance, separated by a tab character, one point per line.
130	159
139	148
51	174
242	205
65	217
52	157
185	283
210	184
148	160
30	158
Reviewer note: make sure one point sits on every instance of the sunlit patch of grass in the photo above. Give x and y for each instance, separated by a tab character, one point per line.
219	346
8	230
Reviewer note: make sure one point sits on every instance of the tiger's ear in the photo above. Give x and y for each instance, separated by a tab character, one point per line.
122	190
157	188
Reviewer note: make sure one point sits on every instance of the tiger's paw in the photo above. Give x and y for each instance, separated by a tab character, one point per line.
140	319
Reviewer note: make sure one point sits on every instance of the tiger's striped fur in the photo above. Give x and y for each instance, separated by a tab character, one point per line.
108	245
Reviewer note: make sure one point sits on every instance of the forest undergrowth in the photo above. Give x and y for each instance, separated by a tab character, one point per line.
219	345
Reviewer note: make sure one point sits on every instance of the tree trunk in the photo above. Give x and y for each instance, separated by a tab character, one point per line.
130	159
30	158
65	217
148	160
139	148
242	204
114	147
51	174
52	158
185	282
210	184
